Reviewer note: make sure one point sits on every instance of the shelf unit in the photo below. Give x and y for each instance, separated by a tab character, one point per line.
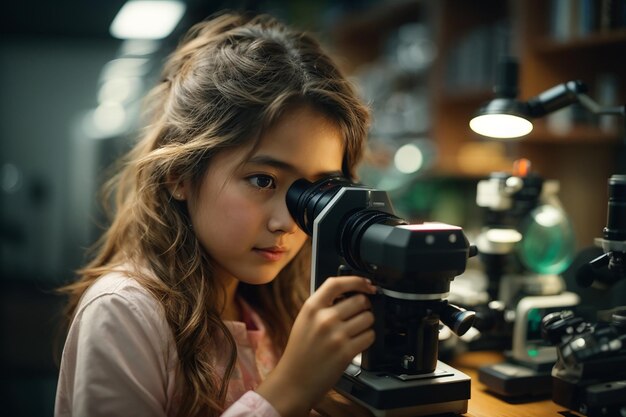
581	158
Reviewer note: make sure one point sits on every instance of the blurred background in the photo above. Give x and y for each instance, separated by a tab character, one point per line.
70	92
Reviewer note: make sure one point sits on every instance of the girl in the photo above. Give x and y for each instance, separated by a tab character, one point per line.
196	302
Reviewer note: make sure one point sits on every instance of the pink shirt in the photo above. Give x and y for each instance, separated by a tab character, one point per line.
120	358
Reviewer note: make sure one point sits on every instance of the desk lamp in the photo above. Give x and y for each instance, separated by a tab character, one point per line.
505	117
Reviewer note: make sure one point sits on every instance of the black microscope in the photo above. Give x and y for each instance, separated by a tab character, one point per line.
590	374
354	230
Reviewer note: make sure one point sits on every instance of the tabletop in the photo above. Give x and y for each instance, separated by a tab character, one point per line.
481	404
486	404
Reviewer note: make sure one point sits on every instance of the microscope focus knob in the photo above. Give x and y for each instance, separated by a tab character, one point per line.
457	319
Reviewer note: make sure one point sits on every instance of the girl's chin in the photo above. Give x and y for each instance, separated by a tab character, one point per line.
260	279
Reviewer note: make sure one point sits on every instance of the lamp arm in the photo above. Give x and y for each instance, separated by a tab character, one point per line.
565	94
556	98
596	108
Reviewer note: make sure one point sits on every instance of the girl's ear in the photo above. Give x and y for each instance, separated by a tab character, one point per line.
177	188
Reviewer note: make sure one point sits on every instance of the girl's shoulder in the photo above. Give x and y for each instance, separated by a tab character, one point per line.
119	281
120	288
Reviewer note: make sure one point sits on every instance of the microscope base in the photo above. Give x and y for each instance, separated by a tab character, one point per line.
591	398
510	379
446	390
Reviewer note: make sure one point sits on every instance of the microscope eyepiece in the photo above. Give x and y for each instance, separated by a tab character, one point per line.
616	216
305	199
613	242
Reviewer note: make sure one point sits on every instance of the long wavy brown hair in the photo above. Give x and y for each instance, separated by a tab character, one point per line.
230	79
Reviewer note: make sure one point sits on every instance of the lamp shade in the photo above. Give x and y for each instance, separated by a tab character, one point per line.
502	118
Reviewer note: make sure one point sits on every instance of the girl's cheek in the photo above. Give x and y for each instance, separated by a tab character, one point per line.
301	238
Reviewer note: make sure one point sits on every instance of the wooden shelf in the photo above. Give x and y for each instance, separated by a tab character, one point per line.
614	38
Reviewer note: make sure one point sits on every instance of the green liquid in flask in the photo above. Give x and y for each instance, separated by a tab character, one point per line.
548	243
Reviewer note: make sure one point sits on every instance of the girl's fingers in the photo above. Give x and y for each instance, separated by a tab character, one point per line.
338	312
359	323
336	287
363	340
351	306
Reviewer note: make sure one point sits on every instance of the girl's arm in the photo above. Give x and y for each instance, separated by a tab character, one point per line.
326	336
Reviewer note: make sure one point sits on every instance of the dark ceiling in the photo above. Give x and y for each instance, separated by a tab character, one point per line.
92	18
85	18
63	18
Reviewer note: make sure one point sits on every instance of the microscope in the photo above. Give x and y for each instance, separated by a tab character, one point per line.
613	242
354	231
526	242
590	374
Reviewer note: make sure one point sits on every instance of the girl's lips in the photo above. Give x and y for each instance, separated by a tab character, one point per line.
271	254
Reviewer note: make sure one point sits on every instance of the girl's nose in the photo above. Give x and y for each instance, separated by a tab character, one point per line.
280	219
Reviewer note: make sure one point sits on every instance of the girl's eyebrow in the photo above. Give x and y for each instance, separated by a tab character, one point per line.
286	166
273	162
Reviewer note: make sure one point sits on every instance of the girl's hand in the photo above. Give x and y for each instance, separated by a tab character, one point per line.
329	331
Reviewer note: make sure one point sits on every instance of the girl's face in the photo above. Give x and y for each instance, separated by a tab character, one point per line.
240	215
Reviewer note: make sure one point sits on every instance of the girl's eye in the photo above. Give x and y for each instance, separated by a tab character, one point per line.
264	182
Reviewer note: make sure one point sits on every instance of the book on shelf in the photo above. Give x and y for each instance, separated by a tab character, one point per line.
571	19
